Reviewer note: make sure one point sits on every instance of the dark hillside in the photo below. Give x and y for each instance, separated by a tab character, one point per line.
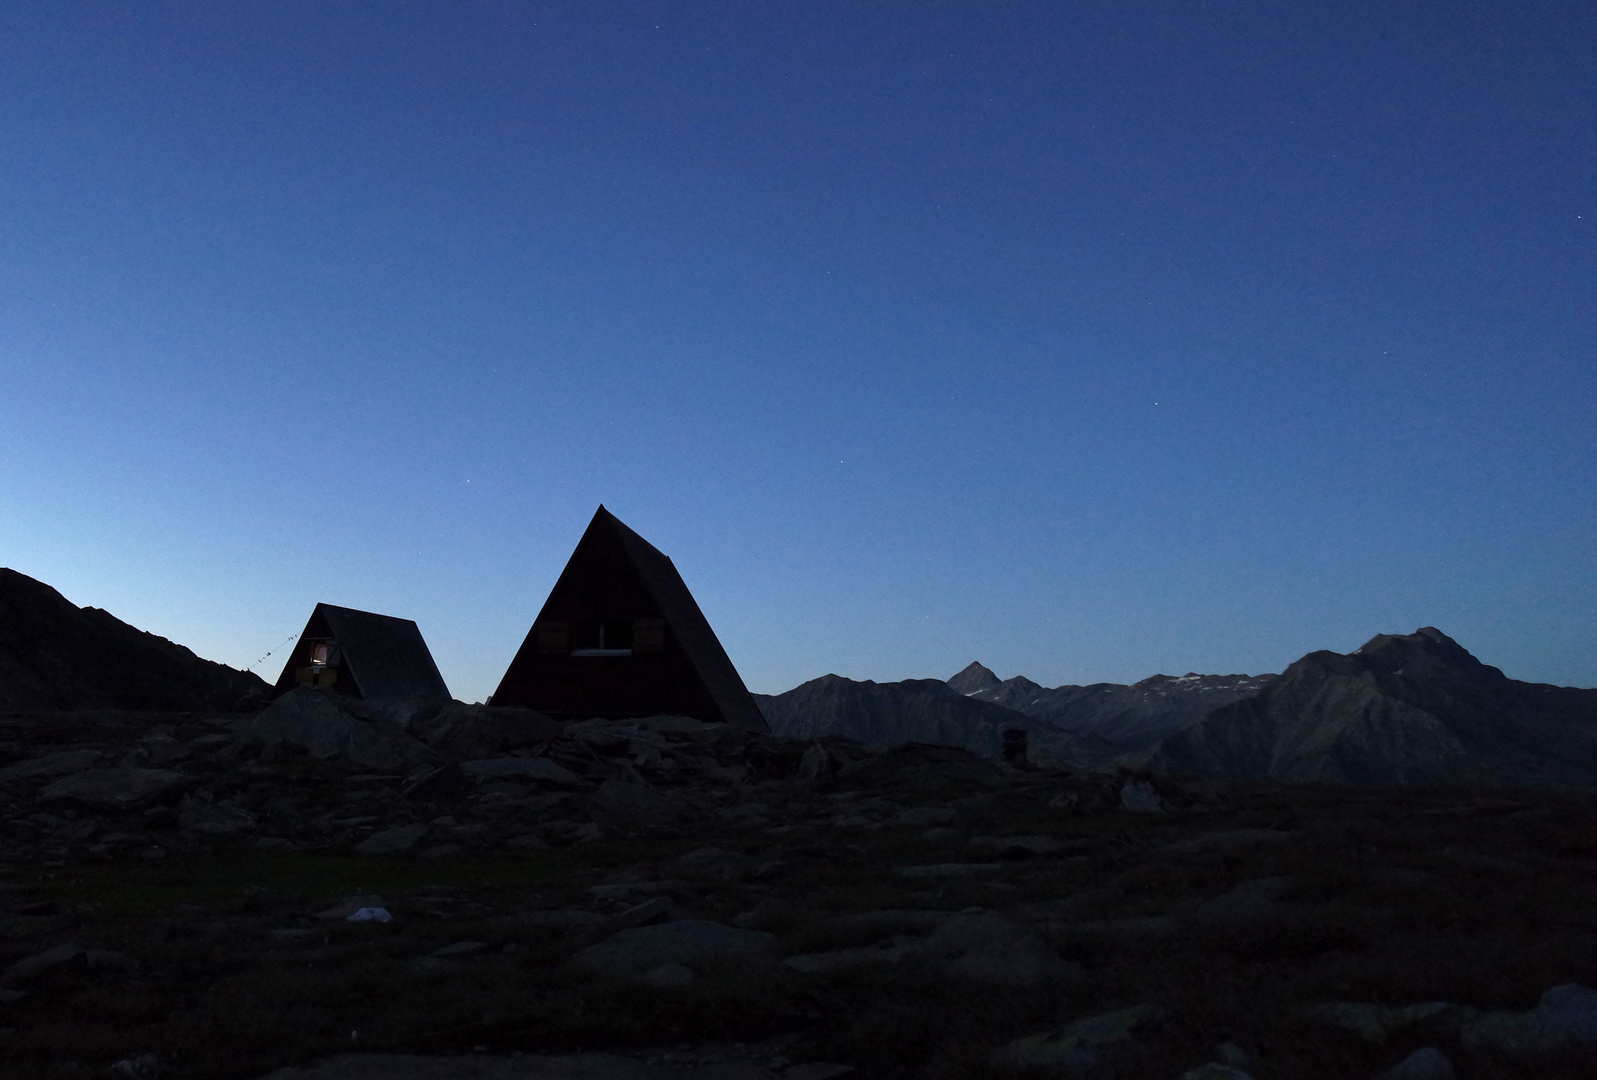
55	655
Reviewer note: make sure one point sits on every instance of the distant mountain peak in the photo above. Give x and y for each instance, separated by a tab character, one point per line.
1426	650
974	679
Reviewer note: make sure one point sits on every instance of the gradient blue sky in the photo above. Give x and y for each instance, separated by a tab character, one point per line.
1089	340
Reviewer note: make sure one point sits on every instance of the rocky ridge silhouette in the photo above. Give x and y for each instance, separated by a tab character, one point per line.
56	655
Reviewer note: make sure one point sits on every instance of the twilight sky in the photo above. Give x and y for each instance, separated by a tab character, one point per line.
1087	340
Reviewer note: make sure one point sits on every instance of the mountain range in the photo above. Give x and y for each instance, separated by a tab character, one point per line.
1128	716
1402	709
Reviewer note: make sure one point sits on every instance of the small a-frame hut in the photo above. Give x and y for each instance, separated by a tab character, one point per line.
361	654
620	636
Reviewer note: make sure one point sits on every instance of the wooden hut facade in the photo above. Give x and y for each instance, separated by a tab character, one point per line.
360	654
621	636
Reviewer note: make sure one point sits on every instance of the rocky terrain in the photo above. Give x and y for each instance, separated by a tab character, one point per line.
306	892
56	655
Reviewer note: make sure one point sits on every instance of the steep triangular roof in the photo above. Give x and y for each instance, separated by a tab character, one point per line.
615	573
386	658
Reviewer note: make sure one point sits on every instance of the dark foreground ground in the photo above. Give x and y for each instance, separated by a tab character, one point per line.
919	912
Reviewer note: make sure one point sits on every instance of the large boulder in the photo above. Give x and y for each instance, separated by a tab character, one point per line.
124	786
626	804
322	726
476	732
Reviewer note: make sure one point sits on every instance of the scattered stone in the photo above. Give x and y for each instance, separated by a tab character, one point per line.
816	1070
989	948
1564	1019
668	976
691	942
1227	842
1426	1063
1139	797
1215	1071
1078	1048
564	919
79	830
1229	1053
435	785
1248	905
1374	1023
1128	931
459	948
31	967
524	768
484	1067
474	732
710	862
648	911
1011	847
890	920
814	764
121	786
1479	863
322	726
923	816
165	750
894	950
140	1067
392	841
634	805
937	870
348	906
213	819
369	914
628	890
61	763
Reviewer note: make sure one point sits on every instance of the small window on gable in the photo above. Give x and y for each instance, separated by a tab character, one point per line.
613	637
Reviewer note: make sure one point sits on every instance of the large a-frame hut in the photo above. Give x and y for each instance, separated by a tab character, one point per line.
361	654
620	636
